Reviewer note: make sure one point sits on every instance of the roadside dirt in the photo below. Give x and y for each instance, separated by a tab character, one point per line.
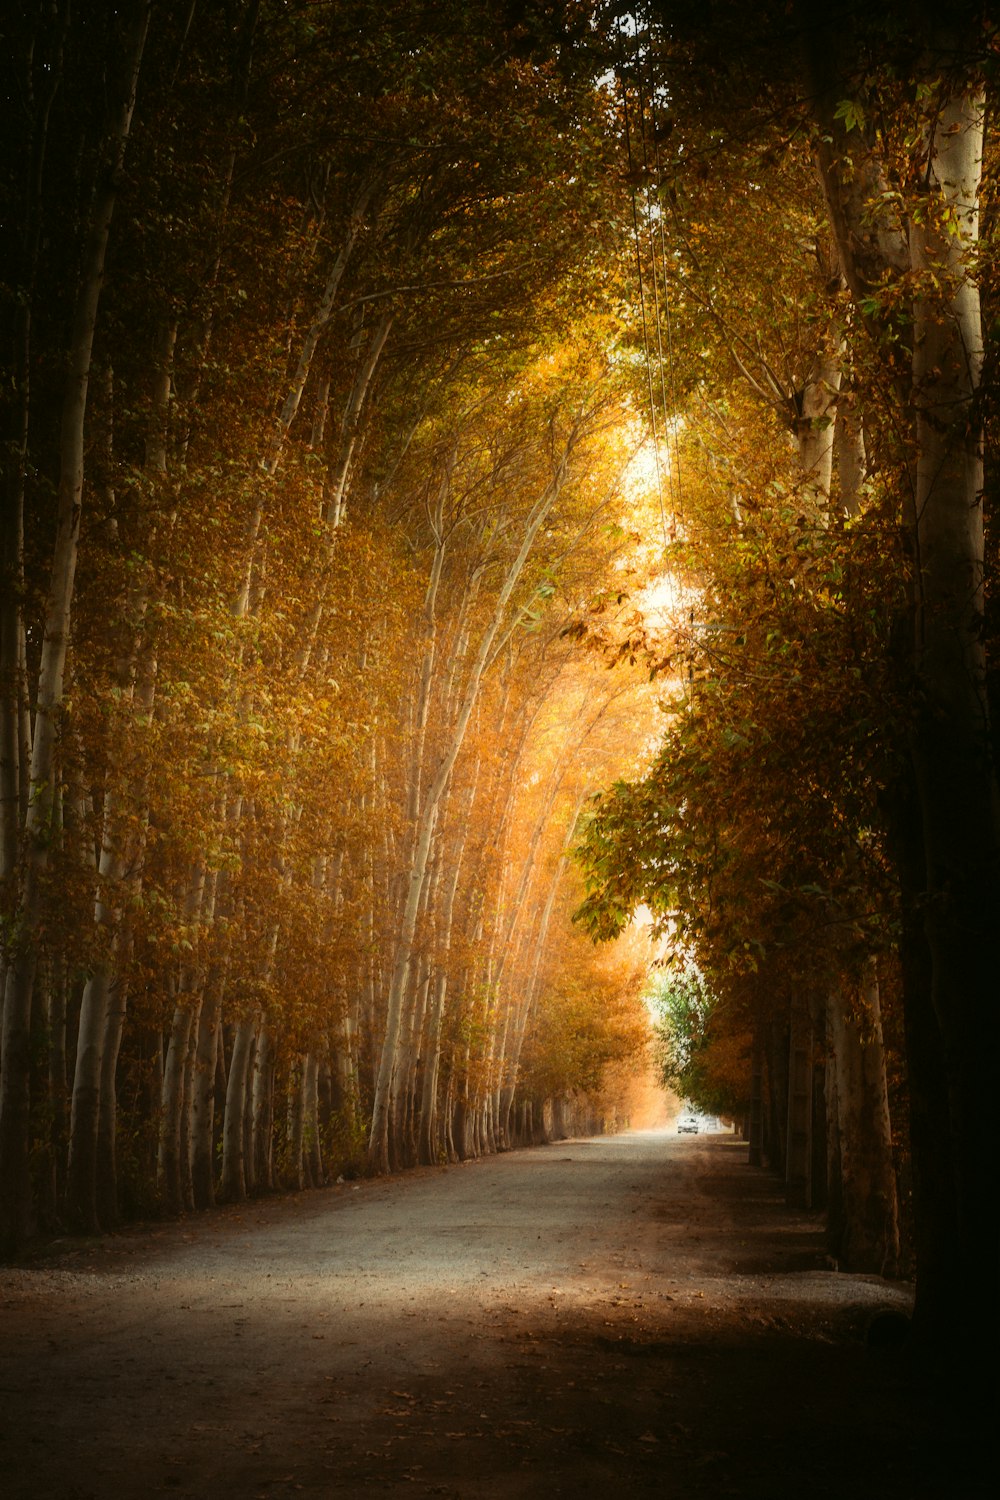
634	1316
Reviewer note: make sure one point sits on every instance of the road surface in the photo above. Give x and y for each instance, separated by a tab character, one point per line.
631	1316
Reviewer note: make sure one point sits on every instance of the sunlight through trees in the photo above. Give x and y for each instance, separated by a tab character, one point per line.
444	441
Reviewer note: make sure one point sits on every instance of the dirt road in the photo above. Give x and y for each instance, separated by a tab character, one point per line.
623	1317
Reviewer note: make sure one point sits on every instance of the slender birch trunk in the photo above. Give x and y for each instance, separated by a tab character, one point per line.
339	470
15	742
92	1173
403	1107
336	483
294	1122
81	1183
106	1184
168	1157
428	1113
378	1146
312	1146
525	1008
250	1114
15	1070
172	1156
262	1103
100	1023
58	994
201	1128
240	1159
233	1186
274	450
12	684
570	747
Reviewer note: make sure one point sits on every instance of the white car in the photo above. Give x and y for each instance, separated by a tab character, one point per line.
687	1125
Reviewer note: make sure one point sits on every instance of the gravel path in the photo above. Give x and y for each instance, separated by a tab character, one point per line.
611	1317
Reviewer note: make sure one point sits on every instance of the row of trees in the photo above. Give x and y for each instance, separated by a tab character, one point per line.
315	444
319	463
818	830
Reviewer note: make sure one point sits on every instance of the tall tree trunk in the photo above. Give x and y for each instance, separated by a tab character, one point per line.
952	749
233	1186
12	684
931	1147
15	748
263	1113
169	1179
81	1180
294	1130
106	1174
312	1148
293	396
868	1202
15	1068
172	1162
526	1003
815	425
427	1122
378	1144
342	459
799	1128
201	1130
58	1093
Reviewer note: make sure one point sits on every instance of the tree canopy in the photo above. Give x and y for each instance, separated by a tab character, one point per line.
441	438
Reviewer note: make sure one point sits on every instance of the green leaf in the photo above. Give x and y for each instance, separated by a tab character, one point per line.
850	114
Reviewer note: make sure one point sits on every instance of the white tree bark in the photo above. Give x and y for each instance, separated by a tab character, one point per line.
172	1166
428	1147
19	986
202	1094
815	426
525	1006
233	1186
271	459
378	1146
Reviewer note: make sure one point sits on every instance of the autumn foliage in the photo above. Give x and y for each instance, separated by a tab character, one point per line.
315	444
439	439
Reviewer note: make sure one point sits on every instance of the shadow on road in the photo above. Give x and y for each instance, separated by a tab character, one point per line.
640	1316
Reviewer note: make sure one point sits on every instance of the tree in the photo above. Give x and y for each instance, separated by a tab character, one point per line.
918	257
696	1057
892	116
41	777
240	764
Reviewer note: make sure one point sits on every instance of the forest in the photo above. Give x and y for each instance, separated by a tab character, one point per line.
474	473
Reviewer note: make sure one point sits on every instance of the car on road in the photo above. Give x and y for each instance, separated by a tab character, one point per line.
687	1125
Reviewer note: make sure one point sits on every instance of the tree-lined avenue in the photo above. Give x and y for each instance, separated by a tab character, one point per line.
473	474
